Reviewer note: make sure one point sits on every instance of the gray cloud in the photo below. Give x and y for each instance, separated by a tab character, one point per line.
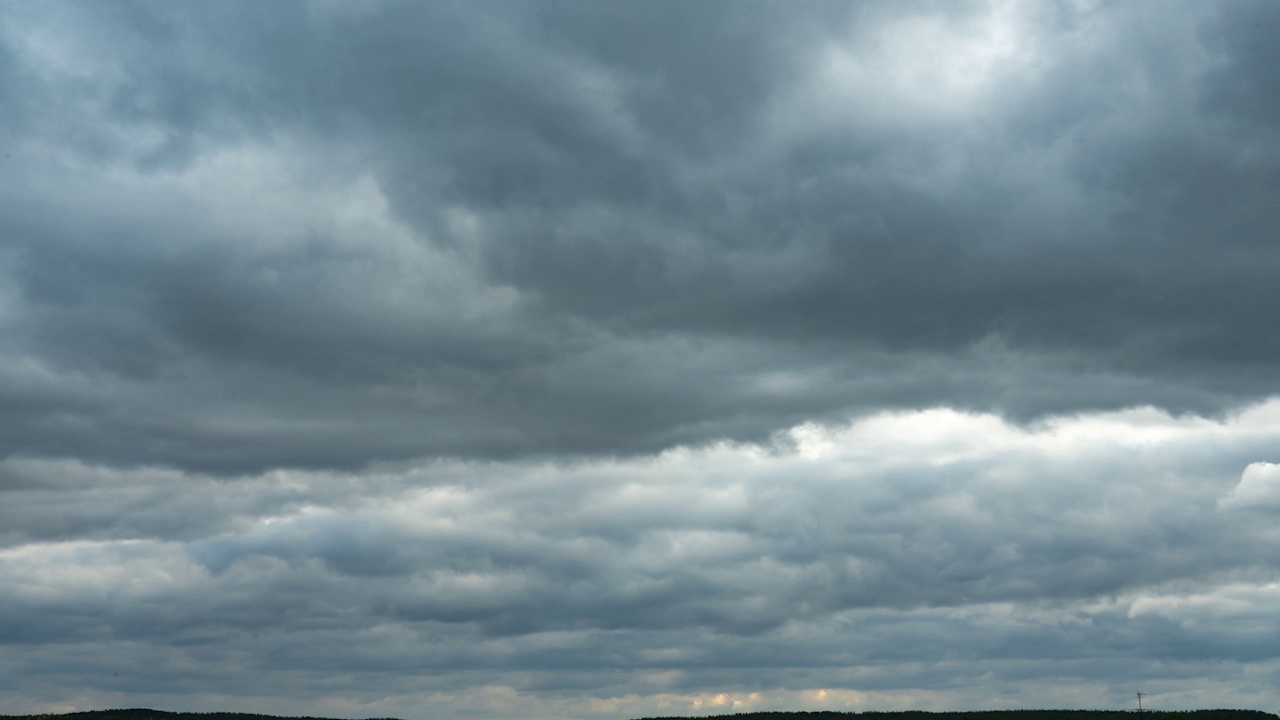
830	195
502	357
940	547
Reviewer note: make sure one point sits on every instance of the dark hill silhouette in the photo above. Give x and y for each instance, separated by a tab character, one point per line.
147	714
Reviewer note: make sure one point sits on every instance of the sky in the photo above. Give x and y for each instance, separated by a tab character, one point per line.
599	360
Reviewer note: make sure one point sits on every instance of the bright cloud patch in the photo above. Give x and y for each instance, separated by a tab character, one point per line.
1259	487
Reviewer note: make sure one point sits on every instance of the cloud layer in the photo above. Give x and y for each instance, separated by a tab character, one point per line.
603	359
926	558
241	238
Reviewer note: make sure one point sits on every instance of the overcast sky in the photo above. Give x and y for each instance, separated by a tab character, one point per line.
569	359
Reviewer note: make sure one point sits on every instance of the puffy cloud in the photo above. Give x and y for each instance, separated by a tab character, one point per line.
1259	487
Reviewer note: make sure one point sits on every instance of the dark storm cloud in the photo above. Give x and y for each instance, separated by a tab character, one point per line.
628	226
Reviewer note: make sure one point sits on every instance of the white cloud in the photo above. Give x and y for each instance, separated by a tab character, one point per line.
1259	487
